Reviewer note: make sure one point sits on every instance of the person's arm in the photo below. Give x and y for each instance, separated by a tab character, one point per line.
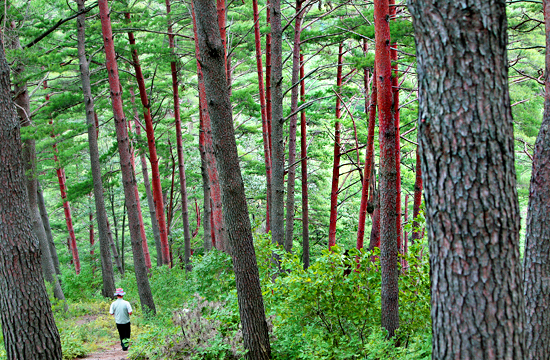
111	311
129	307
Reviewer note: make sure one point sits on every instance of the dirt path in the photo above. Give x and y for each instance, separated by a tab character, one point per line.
111	352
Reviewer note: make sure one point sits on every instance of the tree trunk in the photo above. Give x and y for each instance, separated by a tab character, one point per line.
265	128
291	179
388	175
217	224
536	261
27	321
277	150
336	156
144	244
48	229
66	206
150	200
181	163
128	179
369	158
303	155
29	161
467	149
396	119
207	223
251	308
416	233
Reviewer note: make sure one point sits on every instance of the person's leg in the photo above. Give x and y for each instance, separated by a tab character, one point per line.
125	336
121	333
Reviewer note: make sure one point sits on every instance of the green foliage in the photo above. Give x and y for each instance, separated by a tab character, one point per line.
321	313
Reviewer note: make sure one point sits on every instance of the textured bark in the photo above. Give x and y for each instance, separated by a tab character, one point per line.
277	122
336	157
369	157
388	171
27	321
48	229
467	149
416	235
265	126
179	145
291	178
218	225
536	261
29	161
303	155
251	308
128	179
207	222
395	113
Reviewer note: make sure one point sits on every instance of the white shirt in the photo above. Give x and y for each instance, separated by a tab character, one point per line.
122	310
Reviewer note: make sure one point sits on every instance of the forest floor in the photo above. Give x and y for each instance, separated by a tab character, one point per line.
106	348
110	351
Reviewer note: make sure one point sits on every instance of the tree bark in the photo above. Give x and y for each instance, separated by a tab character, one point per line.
128	179
148	192
536	261
303	155
29	161
265	127
179	144
207	223
369	157
416	233
48	229
467	149
27	321
388	170
291	178
218	225
336	156
251	308
277	150
66	205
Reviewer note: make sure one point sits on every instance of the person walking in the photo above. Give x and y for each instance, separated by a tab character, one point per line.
121	310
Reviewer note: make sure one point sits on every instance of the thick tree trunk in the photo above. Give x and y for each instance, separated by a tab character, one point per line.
128	179
369	157
303	155
536	261
467	149
291	179
251	308
268	102
336	156
265	127
388	175
27	321
29	161
48	229
277	150
218	225
181	163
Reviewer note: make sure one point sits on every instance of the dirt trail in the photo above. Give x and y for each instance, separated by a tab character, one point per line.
110	352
